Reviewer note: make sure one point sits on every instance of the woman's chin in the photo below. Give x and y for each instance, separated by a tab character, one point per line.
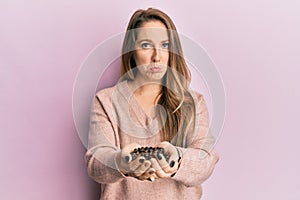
156	78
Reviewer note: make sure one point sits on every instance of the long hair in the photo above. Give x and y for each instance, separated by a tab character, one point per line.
178	114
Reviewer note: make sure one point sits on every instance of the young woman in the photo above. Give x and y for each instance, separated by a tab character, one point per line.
149	134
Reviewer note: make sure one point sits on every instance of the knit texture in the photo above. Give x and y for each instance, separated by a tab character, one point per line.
117	119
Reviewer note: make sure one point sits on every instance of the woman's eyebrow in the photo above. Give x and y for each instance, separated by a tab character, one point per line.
149	40
142	40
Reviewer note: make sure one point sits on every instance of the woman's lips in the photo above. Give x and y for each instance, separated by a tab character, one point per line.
155	69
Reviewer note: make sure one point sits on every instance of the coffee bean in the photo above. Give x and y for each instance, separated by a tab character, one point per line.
134	156
148	152
147	156
167	156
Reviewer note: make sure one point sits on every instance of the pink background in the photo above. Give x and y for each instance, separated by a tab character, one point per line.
255	45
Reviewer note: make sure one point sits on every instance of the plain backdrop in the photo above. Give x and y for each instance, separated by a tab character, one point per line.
255	45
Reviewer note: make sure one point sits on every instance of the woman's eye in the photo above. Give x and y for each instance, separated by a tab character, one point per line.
146	45
165	45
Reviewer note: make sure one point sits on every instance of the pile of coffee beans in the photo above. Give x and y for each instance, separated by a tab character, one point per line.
149	152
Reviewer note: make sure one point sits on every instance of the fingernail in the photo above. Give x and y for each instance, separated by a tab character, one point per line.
151	172
172	163
141	160
159	156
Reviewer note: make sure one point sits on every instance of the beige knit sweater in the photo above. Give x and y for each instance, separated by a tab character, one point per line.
116	120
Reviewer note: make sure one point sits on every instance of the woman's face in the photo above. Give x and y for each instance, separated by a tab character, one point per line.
152	51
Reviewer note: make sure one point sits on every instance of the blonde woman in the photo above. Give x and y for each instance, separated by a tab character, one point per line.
149	135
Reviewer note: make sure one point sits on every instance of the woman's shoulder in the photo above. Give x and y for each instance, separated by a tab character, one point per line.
197	96
109	91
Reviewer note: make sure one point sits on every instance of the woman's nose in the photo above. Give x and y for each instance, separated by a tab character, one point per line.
156	55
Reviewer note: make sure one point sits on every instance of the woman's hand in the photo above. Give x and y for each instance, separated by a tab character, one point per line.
138	167
167	163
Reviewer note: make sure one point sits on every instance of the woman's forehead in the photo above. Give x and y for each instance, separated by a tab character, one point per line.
155	34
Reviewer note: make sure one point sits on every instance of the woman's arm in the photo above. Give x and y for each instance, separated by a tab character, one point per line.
198	159
102	148
106	162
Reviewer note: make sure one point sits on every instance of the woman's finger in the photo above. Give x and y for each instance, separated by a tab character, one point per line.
133	165
142	168
166	167
158	170
148	174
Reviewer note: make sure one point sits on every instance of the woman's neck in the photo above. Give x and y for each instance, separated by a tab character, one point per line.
143	88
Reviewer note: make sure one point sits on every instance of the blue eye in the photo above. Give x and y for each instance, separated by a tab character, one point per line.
165	45
146	45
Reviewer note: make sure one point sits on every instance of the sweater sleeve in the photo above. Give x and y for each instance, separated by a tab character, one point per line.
199	158
102	148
